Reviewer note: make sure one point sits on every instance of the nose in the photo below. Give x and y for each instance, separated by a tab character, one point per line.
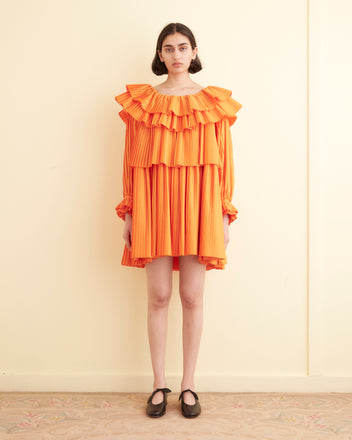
177	56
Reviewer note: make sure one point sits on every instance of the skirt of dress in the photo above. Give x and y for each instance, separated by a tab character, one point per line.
176	211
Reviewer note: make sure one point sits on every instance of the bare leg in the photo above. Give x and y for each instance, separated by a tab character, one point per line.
159	283
192	277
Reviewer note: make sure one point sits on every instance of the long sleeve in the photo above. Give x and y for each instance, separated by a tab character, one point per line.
227	177
126	204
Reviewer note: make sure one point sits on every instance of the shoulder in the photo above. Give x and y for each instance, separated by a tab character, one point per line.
132	89
224	102
219	93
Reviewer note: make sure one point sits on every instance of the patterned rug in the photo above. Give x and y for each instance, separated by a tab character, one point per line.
112	416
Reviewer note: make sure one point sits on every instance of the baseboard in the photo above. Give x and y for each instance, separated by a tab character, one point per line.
143	383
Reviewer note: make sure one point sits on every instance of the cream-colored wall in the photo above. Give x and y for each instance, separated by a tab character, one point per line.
330	188
71	317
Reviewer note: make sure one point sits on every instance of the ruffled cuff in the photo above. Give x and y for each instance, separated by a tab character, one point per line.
228	208
124	206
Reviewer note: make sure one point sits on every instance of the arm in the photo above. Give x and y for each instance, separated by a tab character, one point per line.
124	208
227	178
126	205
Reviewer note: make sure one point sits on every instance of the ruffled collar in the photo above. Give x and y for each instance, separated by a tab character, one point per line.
144	103
154	102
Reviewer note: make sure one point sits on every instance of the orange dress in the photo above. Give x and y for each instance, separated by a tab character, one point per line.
178	173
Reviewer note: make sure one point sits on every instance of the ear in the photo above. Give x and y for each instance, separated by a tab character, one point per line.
195	51
160	56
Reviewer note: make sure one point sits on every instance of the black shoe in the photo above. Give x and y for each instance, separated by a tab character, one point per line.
158	409
190	411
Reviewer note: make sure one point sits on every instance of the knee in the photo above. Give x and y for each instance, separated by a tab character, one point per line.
160	298
191	298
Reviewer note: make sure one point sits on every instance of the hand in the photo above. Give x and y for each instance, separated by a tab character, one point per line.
226	229
127	232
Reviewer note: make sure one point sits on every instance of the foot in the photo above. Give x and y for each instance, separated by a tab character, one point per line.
188	397
158	397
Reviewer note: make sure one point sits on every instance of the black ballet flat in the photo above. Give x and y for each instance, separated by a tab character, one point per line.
158	409
190	411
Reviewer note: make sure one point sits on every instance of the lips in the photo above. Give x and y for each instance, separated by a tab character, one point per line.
177	64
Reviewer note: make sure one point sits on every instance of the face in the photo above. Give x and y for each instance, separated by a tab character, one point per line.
176	53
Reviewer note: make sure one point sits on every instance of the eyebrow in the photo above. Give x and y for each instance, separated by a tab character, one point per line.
170	45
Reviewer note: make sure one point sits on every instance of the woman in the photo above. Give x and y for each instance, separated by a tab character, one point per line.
178	184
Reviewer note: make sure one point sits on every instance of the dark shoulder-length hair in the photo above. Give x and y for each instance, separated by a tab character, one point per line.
158	67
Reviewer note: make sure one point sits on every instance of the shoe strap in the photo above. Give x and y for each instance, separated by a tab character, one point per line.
164	390
194	394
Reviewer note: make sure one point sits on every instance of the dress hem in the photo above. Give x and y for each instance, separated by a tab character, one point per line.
140	262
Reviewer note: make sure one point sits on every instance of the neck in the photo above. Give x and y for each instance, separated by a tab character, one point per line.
179	81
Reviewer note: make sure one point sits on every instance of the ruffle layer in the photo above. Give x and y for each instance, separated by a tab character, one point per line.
162	146
177	113
178	211
124	206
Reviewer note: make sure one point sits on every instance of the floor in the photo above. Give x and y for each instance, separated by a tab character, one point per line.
111	416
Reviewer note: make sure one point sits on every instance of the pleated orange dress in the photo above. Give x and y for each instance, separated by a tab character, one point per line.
178	173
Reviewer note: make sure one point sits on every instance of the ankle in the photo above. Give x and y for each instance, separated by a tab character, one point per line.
186	386
159	385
